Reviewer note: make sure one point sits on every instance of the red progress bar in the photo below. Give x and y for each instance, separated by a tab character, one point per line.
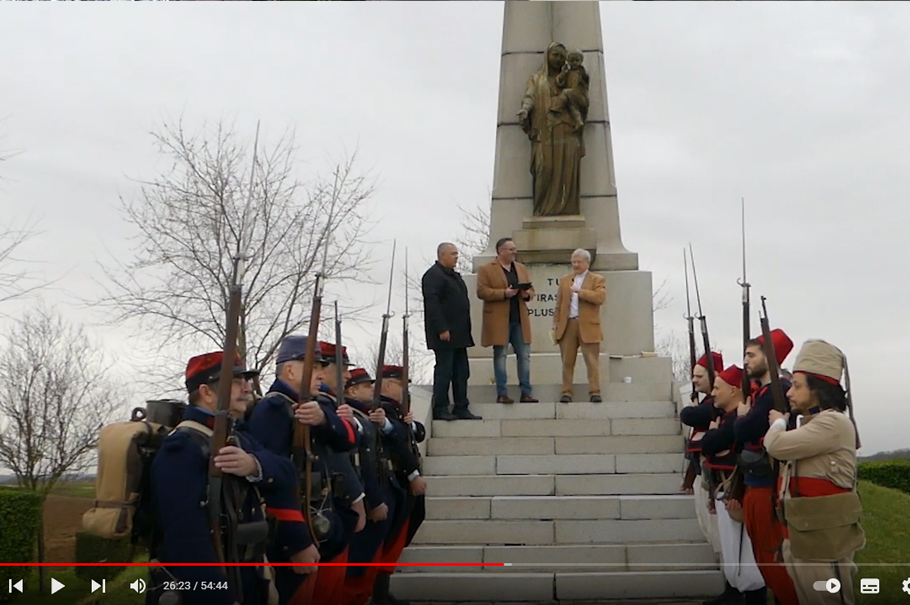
248	564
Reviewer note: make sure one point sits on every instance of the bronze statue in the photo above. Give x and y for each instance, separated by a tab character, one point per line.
553	113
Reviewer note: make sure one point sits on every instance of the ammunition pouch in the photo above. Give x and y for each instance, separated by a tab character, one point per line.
755	464
251	539
824	528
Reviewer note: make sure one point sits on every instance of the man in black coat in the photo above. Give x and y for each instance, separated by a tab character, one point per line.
447	316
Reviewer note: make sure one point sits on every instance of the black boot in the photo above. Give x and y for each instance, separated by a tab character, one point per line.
728	597
381	595
757	597
443	414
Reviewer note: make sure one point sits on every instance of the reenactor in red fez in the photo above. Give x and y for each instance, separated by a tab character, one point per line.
766	532
699	417
742	577
817	486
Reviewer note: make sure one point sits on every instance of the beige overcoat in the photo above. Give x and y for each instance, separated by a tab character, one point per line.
491	289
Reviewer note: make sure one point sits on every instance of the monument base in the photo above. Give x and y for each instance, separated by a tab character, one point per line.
546	369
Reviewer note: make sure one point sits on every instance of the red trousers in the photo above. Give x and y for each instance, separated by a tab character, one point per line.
330	581
767	535
357	590
392	549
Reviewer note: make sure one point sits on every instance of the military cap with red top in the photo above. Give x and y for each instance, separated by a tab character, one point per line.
716	357
393	372
327	352
206	369
358	376
780	342
732	376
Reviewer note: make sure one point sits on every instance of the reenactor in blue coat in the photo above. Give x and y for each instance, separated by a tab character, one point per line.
385	495
179	481
406	464
272	421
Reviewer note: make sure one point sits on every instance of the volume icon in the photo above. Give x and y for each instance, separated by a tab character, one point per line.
138	585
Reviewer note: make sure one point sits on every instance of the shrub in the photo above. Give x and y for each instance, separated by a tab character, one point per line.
889	473
94	549
20	518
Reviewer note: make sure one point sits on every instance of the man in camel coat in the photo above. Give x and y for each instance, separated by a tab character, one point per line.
576	323
500	285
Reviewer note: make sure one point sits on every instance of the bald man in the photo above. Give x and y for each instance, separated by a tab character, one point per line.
447	319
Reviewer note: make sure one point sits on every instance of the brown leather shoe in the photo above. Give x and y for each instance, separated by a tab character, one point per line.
528	399
504	399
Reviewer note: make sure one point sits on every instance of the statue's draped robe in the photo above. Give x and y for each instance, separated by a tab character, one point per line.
556	147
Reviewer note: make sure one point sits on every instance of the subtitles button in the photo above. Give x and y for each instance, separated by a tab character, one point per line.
869	586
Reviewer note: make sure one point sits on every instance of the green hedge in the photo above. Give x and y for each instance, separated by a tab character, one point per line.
889	473
93	549
20	516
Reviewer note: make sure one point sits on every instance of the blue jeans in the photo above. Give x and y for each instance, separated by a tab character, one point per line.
522	358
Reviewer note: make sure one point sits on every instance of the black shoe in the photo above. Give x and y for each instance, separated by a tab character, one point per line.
528	398
565	399
467	415
444	415
730	596
596	399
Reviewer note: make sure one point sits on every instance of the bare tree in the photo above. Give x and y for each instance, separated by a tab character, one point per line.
220	197
17	280
420	371
678	351
474	235
55	394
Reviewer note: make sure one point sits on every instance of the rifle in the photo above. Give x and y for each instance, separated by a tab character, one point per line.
777	391
303	447
405	364
689	479
383	339
745	285
709	359
691	321
217	493
339	360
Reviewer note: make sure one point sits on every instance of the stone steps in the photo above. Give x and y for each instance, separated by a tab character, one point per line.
557	427
535	464
612	391
560	531
592	558
550	485
484	446
577	409
559	586
561	507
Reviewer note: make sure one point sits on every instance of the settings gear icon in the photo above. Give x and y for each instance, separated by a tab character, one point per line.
907	585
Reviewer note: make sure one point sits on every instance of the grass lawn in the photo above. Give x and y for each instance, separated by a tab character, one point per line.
885	519
79	489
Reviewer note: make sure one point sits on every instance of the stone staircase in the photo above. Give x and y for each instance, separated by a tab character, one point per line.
579	500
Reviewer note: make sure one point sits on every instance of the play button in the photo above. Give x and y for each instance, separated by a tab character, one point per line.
56	586
832	585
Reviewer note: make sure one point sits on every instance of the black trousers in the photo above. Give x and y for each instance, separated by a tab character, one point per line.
451	370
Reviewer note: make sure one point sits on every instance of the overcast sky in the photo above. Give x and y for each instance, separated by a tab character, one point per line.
799	107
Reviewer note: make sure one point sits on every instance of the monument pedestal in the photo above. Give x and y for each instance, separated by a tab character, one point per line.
626	319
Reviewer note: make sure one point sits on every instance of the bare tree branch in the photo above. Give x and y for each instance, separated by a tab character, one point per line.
193	218
474	236
55	394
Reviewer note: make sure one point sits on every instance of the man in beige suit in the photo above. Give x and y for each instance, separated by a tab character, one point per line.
576	323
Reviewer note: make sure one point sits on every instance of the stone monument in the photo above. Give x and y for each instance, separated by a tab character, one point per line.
554	188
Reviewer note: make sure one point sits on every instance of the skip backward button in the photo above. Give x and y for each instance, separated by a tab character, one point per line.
832	586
